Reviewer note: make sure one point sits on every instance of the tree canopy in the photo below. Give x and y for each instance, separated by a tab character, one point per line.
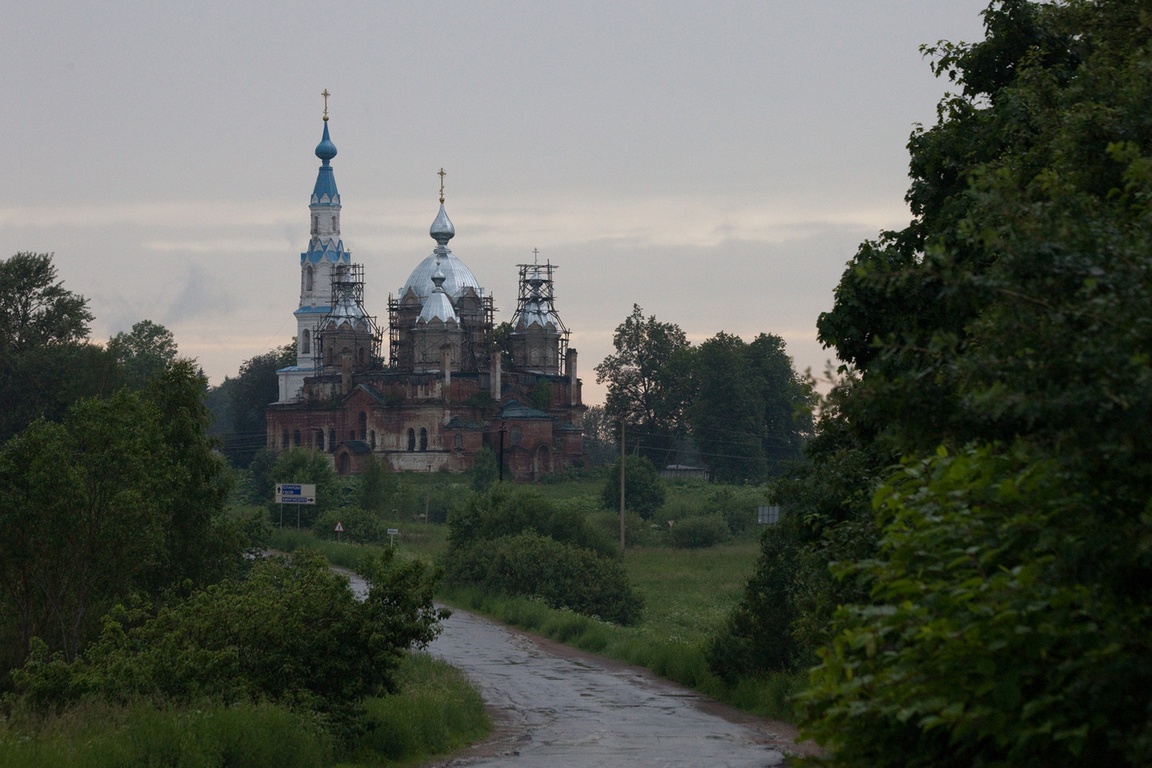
1001	343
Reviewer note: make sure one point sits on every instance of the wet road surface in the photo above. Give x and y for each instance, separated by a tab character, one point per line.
553	706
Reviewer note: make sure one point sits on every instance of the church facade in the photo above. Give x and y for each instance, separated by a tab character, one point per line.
451	384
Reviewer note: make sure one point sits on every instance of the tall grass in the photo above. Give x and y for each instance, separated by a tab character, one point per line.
435	711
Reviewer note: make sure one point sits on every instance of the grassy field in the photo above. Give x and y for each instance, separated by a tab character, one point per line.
688	593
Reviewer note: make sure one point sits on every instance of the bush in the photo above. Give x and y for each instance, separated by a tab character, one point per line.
561	575
507	510
291	632
699	532
643	488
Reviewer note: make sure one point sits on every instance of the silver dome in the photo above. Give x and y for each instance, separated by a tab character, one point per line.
457	276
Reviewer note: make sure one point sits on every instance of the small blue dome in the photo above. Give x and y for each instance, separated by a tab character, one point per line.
326	150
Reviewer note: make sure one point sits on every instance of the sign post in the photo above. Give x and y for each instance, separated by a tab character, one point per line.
392	534
294	493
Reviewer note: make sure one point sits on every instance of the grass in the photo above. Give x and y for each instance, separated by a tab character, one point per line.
688	594
436	711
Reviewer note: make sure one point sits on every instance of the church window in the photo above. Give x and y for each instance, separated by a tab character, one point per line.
306	342
363	421
315	224
423	439
515	437
459	441
333	223
411	439
319	440
296	438
331	441
308	274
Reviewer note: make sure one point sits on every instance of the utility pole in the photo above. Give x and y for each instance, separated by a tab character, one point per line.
502	451
621	485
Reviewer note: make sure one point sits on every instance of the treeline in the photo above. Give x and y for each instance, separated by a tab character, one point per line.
737	408
124	583
980	482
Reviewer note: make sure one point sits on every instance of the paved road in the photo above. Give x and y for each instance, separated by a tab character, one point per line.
556	707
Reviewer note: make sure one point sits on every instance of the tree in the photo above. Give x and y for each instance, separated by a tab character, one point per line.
35	308
82	522
143	352
1001	342
300	465
644	381
377	486
200	545
727	414
643	489
45	363
250	394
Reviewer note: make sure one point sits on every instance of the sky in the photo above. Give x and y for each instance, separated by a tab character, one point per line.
715	162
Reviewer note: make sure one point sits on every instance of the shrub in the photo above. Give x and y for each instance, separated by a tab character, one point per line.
699	532
561	575
291	632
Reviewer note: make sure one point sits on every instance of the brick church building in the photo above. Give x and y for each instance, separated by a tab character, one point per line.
450	386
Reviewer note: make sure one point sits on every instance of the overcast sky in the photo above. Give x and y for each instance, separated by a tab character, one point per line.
716	163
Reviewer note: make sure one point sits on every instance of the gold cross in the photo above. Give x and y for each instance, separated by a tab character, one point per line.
325	95
441	174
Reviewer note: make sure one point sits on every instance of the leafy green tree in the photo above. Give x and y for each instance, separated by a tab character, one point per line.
35	308
300	465
484	471
376	487
46	363
250	393
200	544
727	413
645	382
643	488
143	352
1009	622
82	523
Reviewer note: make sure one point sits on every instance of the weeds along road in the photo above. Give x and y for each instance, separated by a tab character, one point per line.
557	707
554	706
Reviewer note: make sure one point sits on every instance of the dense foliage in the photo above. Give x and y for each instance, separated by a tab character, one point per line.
292	631
1001	345
517	542
643	489
740	408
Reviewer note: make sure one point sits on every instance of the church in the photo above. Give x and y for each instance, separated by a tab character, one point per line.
453	383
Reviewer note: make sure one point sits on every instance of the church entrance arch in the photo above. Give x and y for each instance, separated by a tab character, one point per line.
542	462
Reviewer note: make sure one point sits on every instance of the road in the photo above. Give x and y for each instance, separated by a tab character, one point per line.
554	706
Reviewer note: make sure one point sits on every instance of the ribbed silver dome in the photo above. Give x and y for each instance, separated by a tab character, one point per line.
457	276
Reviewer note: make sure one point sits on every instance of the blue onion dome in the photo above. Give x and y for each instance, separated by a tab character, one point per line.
326	150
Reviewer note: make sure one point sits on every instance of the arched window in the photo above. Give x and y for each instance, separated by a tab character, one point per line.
308	278
331	441
315	224
296	438
306	342
319	440
363	422
423	439
411	439
458	441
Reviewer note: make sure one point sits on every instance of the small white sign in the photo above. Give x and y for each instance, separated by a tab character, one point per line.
393	531
339	527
